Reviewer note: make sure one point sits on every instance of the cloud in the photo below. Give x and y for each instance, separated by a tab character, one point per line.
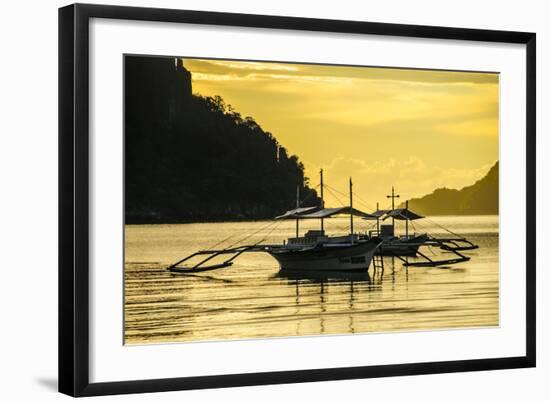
411	178
404	74
246	69
432	101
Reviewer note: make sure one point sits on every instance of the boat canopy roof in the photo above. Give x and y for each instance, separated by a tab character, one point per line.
316	212
376	215
402	214
295	213
331	211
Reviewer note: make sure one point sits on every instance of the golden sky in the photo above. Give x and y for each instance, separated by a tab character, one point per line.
415	129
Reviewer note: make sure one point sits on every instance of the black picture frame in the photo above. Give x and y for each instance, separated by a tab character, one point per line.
74	199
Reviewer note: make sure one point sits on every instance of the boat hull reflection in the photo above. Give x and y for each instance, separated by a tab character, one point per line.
324	276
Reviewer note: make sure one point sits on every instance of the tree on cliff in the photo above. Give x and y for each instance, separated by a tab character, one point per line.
189	157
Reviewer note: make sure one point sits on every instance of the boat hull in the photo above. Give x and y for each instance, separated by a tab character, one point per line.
356	257
399	247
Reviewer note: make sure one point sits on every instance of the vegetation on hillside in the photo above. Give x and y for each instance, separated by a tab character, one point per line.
191	158
479	198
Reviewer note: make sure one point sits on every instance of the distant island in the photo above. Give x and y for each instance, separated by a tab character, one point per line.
194	158
479	198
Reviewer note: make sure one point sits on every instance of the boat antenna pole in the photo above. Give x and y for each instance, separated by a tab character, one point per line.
322	203
406	219
377	220
351	208
392	196
297	206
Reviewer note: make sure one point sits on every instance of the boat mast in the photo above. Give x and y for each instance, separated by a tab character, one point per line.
297	206
392	196
351	208
322	203
377	220
406	219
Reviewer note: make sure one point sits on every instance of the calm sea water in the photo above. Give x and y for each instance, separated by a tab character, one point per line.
253	299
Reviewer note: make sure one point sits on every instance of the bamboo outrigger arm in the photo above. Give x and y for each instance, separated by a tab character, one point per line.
211	254
457	244
442	243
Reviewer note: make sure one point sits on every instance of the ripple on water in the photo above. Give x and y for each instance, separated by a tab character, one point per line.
252	299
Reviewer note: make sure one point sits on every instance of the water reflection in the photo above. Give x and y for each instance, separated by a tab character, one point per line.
253	299
320	277
200	277
374	277
340	288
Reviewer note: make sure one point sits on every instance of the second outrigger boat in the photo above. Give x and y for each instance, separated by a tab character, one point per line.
409	244
392	245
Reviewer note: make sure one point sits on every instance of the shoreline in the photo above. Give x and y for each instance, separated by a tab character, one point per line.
214	221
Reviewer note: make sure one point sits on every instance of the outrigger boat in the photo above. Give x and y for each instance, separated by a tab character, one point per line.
392	245
409	245
315	251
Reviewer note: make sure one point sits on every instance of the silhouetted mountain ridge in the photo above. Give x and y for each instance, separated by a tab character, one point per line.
191	158
479	198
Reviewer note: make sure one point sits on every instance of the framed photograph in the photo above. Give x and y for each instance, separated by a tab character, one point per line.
250	199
